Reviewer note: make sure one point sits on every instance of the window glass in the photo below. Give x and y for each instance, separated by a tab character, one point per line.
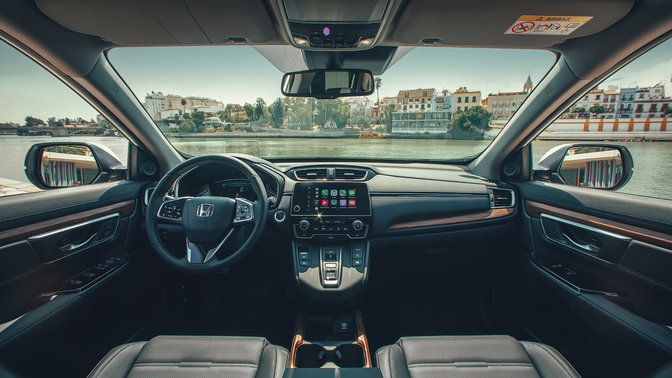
36	107
646	131
274	127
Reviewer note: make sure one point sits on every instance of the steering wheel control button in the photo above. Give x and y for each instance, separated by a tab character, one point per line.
244	211
171	210
279	216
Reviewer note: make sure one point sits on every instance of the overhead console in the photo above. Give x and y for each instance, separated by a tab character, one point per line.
345	24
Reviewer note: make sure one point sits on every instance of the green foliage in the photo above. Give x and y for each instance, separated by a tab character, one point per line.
260	109
32	121
249	111
579	110
276	113
187	127
332	110
299	112
198	118
597	109
360	117
53	122
470	124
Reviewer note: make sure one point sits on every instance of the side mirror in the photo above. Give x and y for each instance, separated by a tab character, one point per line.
65	164
601	166
328	84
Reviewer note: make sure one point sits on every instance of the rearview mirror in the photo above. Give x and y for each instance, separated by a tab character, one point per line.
600	166
328	84
66	164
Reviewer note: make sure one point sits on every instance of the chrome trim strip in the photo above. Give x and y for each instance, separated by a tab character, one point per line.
543	216
74	226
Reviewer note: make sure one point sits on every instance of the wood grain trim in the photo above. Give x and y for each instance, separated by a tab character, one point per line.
124	209
473	217
297	340
362	340
534	209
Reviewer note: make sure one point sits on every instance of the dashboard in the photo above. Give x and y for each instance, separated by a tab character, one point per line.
333	212
391	199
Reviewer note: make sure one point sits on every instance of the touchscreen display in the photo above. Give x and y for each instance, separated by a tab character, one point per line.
331	198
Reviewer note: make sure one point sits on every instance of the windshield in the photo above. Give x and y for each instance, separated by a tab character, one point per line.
431	104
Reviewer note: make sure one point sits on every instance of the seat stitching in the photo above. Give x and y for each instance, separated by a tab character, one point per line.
140	364
261	356
562	365
102	368
475	363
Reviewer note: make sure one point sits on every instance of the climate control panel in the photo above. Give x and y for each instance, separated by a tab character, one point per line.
330	227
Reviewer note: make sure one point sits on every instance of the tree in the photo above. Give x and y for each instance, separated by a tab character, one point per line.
260	109
668	111
276	112
187	127
579	110
470	124
332	110
379	83
597	109
198	118
53	122
184	103
249	111
32	121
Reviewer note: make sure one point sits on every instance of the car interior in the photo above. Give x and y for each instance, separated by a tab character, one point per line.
487	266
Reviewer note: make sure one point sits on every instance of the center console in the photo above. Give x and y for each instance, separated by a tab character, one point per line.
330	221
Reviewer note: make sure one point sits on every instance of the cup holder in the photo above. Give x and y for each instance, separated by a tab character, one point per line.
343	355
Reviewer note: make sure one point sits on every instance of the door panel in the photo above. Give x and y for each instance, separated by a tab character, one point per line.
605	260
56	253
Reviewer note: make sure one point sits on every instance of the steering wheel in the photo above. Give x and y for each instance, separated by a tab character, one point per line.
208	222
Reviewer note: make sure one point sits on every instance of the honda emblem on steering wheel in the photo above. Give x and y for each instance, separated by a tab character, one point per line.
204	210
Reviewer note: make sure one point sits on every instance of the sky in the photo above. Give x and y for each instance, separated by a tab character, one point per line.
239	74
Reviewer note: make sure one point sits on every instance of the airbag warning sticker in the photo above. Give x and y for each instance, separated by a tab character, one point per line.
547	25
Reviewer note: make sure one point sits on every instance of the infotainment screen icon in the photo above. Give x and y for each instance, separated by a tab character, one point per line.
331	199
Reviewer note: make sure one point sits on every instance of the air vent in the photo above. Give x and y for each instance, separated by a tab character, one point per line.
501	198
311	174
350	174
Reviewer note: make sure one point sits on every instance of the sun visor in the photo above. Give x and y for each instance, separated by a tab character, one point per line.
497	23
165	22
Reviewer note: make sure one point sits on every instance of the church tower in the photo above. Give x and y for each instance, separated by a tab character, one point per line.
527	87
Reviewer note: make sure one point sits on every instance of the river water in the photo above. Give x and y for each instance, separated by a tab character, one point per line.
653	160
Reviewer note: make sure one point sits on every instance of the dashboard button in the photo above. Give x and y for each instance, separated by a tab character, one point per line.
357	253
304	263
356	262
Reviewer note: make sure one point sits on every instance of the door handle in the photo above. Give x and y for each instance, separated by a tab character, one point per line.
73	247
587	247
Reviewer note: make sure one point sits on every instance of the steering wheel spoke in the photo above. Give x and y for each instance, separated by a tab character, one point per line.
244	212
170	211
200	254
206	221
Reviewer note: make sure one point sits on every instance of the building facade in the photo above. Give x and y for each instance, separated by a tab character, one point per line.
420	122
463	99
415	100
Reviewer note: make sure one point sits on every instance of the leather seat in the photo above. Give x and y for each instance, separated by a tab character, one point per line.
190	356
471	356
